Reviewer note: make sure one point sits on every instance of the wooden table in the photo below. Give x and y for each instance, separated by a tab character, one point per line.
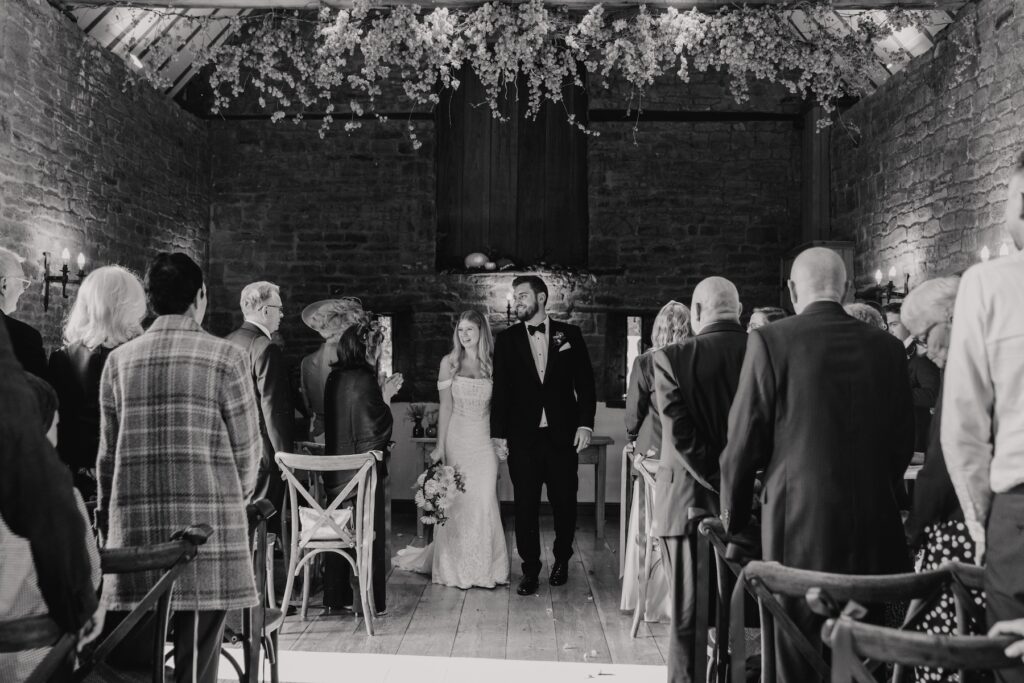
595	454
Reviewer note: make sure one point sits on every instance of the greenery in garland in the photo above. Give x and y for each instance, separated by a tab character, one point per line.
295	67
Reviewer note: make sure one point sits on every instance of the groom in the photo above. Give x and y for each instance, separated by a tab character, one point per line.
542	415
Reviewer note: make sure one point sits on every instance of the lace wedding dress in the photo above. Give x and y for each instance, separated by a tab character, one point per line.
469	549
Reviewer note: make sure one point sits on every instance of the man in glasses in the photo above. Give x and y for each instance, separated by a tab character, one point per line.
25	339
262	311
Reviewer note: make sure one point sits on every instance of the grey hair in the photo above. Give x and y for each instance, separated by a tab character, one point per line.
671	325
865	313
256	294
108	310
10	263
928	303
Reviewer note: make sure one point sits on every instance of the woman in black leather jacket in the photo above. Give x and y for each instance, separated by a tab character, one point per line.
108	311
358	419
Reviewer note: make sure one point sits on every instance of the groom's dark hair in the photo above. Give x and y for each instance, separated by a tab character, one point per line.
536	284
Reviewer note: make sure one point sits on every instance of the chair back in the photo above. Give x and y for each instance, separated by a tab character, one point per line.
362	484
852	642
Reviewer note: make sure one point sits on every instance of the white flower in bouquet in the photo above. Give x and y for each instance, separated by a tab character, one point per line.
436	489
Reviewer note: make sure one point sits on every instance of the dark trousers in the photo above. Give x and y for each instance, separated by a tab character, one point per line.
341	585
136	650
679	558
1004	565
544	458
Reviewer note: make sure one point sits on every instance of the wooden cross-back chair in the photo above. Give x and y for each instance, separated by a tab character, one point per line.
645	469
260	624
330	532
171	558
827	593
853	642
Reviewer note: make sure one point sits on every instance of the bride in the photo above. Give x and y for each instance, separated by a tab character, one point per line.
469	549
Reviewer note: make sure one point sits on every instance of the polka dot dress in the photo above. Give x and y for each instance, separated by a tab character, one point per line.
946	542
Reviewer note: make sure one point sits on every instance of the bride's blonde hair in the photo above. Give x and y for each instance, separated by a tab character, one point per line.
484	347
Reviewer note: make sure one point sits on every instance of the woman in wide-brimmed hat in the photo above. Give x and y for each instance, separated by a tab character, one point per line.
329	318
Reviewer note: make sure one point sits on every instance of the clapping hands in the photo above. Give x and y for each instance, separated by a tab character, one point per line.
391	386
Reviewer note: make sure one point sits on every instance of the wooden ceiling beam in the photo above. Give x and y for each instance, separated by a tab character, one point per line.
702	5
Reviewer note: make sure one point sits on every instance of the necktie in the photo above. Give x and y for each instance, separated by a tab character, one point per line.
536	328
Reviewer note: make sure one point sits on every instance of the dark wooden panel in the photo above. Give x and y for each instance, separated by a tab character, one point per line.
532	186
449	124
504	181
476	185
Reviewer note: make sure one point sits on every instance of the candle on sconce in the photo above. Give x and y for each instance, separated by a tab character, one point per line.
892	273
81	262
1004	250
65	256
985	253
878	277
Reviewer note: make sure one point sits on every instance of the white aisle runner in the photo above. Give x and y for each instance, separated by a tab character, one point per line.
330	667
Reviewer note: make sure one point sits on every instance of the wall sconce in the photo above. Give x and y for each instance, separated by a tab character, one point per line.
508	310
890	289
1004	250
985	253
64	277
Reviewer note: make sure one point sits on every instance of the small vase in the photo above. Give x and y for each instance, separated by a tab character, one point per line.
417	429
432	432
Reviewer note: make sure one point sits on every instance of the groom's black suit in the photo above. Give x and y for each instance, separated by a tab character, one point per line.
539	456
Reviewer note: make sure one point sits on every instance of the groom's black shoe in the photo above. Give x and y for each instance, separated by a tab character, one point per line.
528	585
559	573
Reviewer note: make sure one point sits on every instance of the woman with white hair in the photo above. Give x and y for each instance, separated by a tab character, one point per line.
935	528
107	312
643	429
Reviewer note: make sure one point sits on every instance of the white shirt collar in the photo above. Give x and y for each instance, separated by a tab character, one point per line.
263	329
908	341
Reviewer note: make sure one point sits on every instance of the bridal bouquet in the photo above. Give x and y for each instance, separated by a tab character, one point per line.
435	489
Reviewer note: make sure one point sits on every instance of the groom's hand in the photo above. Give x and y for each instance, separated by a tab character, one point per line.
582	439
500	448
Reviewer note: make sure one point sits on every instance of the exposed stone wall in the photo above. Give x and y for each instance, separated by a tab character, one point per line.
922	185
115	172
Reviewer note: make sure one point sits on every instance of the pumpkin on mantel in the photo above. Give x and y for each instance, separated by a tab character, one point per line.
476	260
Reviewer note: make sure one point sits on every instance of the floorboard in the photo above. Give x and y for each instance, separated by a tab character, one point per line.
434	623
531	626
483	629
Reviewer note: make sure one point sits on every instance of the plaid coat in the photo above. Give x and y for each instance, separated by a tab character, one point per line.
179	445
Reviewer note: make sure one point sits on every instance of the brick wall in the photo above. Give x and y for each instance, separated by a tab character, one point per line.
116	174
924	189
669	205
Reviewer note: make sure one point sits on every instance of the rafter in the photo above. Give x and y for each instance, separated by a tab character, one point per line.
703	5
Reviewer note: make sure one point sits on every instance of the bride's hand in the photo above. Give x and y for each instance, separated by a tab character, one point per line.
437	455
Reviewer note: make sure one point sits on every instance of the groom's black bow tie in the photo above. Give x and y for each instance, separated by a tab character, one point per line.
536	328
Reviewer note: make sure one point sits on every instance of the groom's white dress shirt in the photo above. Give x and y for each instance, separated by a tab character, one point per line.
539	345
983	402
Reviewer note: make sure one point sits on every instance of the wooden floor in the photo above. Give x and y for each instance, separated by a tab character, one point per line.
578	622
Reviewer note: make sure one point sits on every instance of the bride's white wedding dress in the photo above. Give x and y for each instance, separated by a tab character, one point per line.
469	549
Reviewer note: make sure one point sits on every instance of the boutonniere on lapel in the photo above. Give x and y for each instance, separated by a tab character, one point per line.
560	342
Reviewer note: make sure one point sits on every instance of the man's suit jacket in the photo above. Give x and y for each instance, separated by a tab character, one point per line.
28	346
273	392
924	385
824	407
566	395
695	381
643	419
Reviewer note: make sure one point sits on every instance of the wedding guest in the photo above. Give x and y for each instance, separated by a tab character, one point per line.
26	341
808	386
695	382
983	404
358	419
262	312
329	318
19	583
37	504
936	527
643	429
179	445
763	315
924	375
865	313
108	311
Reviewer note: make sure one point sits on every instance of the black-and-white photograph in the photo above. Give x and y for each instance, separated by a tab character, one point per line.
514	341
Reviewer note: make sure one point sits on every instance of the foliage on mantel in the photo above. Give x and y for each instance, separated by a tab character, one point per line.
297	62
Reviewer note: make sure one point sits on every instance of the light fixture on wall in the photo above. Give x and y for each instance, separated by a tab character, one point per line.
985	254
508	309
64	278
890	288
1004	249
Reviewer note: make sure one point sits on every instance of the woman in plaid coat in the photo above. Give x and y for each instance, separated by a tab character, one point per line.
180	445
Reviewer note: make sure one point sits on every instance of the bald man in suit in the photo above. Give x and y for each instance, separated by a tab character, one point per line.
824	407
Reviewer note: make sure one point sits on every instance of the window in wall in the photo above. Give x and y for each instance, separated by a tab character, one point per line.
634	325
515	189
627	335
387	354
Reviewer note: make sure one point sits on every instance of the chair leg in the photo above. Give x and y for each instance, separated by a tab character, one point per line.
305	589
254	641
366	590
273	653
641	567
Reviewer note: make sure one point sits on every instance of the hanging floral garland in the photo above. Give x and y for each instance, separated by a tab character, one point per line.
296	62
